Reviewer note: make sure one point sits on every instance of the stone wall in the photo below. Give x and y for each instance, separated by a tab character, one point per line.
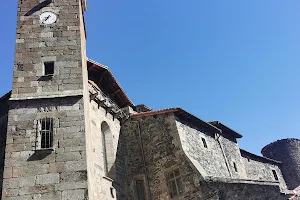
158	144
258	168
111	185
153	150
288	152
210	160
59	173
3	130
61	43
233	156
240	190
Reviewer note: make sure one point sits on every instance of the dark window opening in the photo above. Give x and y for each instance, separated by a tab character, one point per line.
235	168
49	68
204	142
248	159
141	190
174	183
46	133
275	175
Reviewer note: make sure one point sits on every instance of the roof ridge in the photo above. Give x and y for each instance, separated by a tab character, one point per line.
159	111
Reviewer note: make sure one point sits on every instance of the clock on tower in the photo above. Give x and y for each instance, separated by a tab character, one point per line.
46	130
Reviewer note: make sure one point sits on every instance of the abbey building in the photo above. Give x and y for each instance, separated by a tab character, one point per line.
68	131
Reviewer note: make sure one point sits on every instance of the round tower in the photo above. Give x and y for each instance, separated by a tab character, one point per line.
288	152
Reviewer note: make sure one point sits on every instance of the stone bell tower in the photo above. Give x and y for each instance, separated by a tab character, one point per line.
45	155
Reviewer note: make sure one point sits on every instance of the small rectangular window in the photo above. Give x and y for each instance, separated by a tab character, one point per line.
46	133
140	189
204	142
275	175
235	168
174	183
49	68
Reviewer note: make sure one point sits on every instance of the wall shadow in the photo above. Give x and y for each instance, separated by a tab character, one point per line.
3	133
38	7
118	170
40	155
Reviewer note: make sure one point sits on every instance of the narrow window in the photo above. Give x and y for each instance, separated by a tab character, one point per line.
104	154
107	148
275	175
235	168
49	68
248	159
140	189
46	133
204	142
174	183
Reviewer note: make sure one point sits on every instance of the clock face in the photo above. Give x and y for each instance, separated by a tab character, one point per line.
48	18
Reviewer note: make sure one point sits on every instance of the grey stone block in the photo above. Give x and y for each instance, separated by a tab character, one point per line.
47	179
73	194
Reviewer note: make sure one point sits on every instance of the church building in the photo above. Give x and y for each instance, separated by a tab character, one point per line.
68	131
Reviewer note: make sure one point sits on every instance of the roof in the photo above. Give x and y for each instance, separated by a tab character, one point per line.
5	97
180	113
295	193
226	129
142	107
265	159
103	77
264	149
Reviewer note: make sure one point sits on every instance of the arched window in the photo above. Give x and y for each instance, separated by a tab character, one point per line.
107	146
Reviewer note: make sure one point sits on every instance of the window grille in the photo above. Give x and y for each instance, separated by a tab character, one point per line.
174	183
46	133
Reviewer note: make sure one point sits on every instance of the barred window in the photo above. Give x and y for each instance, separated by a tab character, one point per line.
46	133
174	183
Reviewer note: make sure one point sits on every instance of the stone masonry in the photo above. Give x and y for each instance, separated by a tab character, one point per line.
157	144
59	172
288	152
72	133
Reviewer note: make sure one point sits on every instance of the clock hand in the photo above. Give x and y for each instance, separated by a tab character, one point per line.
46	18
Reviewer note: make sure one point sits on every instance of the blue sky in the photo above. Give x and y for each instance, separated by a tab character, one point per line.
233	61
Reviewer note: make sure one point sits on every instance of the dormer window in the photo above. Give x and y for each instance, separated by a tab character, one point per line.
49	68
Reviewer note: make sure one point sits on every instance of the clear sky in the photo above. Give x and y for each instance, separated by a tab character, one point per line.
233	61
